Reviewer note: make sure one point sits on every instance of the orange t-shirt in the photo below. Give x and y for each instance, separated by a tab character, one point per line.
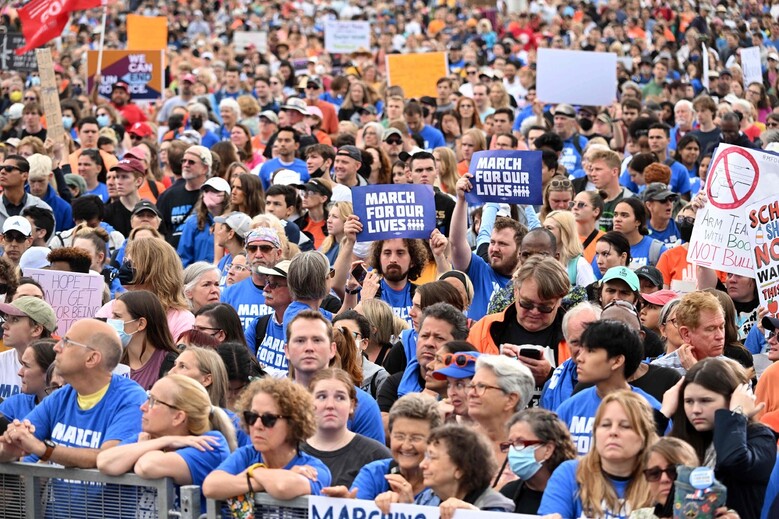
589	252
674	266
462	167
145	191
316	230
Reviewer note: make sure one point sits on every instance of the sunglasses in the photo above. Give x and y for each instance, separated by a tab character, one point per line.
771	124
189	162
579	205
689	220
11	167
394	142
769	335
272	285
565	184
268	419
652	475
265	249
544	309
460	360
14	236
31	99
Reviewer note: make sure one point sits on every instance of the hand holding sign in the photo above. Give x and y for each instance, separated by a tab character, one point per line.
464	186
352	227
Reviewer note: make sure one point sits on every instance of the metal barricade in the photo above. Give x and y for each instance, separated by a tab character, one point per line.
265	507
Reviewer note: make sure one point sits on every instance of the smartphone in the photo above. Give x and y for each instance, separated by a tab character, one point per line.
530	353
359	273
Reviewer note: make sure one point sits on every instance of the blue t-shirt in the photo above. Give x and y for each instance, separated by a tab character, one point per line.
640	253
578	413
294	308
247	299
562	494
485	282
224	268
267	169
102	191
433	138
244	457
241	438
560	386
670	236
270	352
570	156
17	406
370	481
196	244
367	418
399	300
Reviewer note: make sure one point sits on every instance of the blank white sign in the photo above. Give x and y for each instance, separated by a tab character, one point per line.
576	77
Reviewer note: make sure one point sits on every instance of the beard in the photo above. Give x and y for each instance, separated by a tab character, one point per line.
395	274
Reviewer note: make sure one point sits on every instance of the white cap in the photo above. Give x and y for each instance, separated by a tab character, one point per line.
217	183
18	224
15	111
34	258
286	177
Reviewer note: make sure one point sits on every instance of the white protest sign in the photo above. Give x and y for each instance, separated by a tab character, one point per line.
737	178
763	231
478	514
242	39
345	37
320	507
73	296
401	510
569	76
752	66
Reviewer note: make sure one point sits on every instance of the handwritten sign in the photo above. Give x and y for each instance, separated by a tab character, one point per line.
763	231
737	178
345	37
50	98
505	176
73	296
403	70
394	211
143	70
751	64
8	58
557	67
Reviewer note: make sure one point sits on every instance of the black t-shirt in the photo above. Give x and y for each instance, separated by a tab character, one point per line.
395	361
176	204
346	462
514	333
444	207
118	216
526	500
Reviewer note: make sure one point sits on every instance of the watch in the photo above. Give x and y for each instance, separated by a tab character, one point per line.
353	291
50	446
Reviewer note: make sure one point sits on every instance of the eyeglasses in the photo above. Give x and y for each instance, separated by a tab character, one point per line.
544	309
754	92
579	205
238	267
51	389
14	236
519	444
273	285
471	72
154	401
268	420
265	249
458	359
689	220
354	334
655	473
204	328
769	335
394	142
480	388
67	342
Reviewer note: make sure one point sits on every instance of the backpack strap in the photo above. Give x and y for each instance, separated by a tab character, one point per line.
259	331
153	188
654	252
572	264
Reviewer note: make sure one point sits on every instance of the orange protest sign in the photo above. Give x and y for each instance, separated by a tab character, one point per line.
417	74
147	32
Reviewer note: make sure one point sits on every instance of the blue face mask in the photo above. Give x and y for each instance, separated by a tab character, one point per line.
103	120
523	462
118	325
67	122
34	81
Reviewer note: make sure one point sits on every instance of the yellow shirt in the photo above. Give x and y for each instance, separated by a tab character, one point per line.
87	402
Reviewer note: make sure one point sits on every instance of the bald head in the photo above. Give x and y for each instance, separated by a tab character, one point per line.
102	337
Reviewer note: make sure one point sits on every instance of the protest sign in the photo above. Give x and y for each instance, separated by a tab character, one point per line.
345	37
320	507
257	39
737	178
147	32
763	231
73	296
567	76
143	70
9	59
407	511
417	73
512	177
394	211
50	98
751	64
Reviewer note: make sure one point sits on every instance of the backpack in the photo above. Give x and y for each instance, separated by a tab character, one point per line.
259	331
654	252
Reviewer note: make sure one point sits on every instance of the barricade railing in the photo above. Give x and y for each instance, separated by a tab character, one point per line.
265	507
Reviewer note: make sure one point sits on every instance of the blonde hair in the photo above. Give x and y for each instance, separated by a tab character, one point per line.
191	397
210	363
447	173
344	210
569	243
383	320
594	489
158	268
154	232
477	135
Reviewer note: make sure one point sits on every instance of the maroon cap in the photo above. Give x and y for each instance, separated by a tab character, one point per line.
121	84
131	165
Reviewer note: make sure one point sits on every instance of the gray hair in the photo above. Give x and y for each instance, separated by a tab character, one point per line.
686	103
194	272
376	126
307	277
667	309
232	104
109	346
416	406
767	137
581	308
40	166
512	376
450	314
197	108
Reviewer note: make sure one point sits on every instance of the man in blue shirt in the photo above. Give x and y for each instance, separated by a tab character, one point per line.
659	137
287	144
265	334
416	123
659	201
573	143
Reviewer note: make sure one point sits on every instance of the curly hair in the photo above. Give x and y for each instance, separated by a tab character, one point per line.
548	428
470	454
416	406
78	259
416	250
10	276
293	401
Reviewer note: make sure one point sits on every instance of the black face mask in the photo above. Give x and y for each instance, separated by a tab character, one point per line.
685	229
196	123
585	124
126	273
175	122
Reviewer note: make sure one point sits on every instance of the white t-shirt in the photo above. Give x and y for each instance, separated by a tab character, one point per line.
10	381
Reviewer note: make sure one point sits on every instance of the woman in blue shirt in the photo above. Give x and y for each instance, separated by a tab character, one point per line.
197	237
36	377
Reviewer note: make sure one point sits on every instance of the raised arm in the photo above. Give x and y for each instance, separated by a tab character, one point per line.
343	262
461	252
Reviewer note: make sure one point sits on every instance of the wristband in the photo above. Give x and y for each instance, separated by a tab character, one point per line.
738	410
249	482
250	470
353	291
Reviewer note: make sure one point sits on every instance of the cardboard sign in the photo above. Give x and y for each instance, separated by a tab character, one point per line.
147	32
73	296
143	70
763	231
417	73
259	39
737	178
50	98
345	37
394	211
752	66
510	176
566	76
9	42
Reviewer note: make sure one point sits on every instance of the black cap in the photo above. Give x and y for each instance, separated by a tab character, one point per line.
353	152
317	186
145	205
651	274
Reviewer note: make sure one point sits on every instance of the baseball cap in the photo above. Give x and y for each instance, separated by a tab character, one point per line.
189	78
202	153
36	309
296	104
77	181
131	165
286	177
725	72
35	258
565	110
18	224
270	115
657	191
622	274
280	269
121	84
15	112
238	222
145	205
770	323
317	186
661	297
13	141
314	111
190	137
264	234
141	130
217	183
353	152
367	109
651	274
463	366
773	55
389	132
314	81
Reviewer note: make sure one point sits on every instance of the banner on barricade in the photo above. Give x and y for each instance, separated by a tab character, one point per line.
73	296
345	37
737	178
143	70
763	231
320	507
505	176
390	211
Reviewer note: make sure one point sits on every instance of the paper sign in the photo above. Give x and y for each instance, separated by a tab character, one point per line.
320	507
763	231
751	65
73	296
394	211
242	39
737	178
345	37
566	76
9	60
147	32
50	98
406	511
509	176
417	74
143	70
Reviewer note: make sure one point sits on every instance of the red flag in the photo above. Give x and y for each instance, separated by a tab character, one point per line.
44	20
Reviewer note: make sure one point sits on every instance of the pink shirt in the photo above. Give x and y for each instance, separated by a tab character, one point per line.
179	321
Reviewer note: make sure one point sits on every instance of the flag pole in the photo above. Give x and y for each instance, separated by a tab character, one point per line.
102	40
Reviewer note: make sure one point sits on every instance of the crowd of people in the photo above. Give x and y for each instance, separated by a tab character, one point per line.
564	359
